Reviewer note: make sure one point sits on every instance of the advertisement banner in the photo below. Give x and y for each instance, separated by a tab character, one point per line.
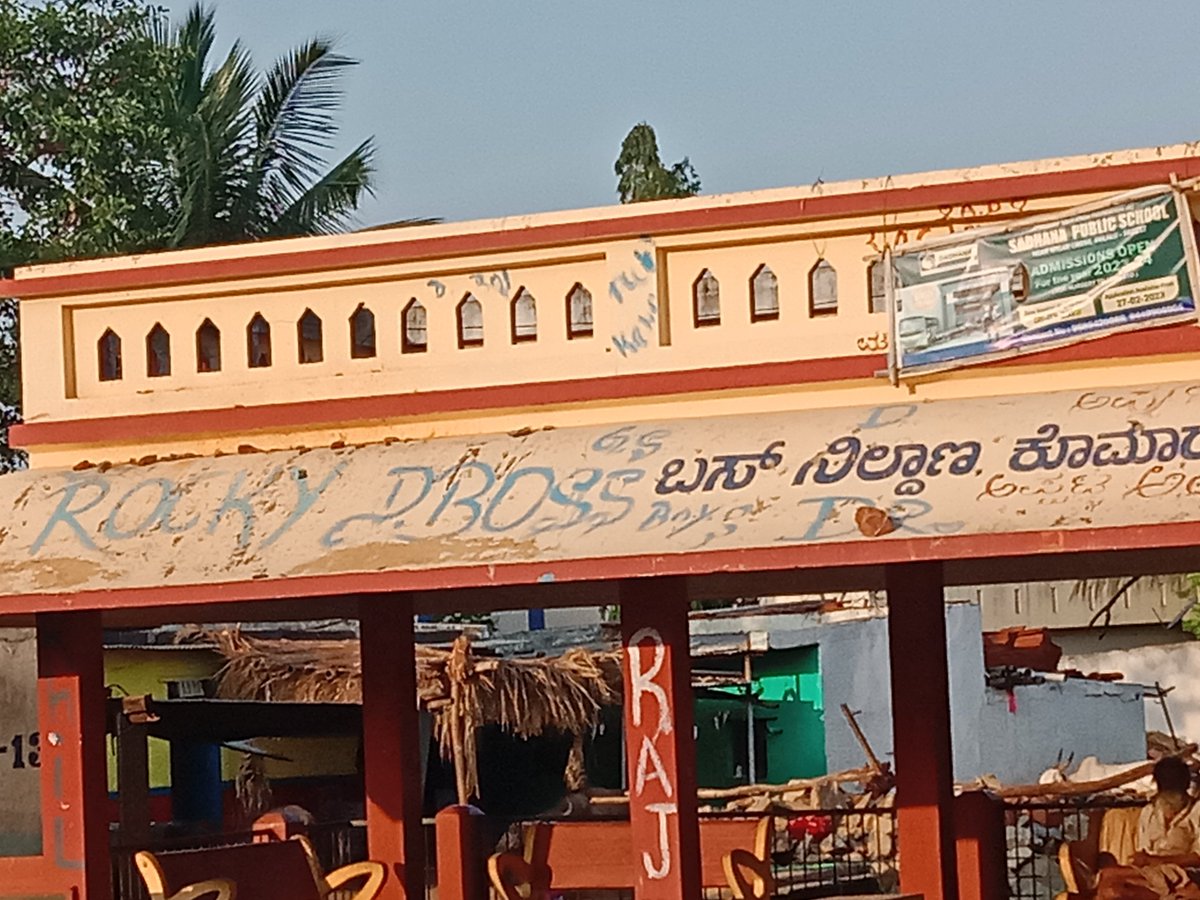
1043	282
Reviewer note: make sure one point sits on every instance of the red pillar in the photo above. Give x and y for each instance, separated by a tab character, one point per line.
921	730
461	856
391	744
659	738
981	846
71	722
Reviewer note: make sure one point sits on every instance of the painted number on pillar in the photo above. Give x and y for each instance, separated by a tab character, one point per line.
647	655
25	750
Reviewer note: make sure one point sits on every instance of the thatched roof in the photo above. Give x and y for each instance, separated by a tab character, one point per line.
526	697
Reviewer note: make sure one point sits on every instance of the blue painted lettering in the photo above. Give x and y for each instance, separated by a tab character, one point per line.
660	513
829	510
334	536
624	501
305	498
242	504
883	416
169	496
455	476
65	515
510	482
580	482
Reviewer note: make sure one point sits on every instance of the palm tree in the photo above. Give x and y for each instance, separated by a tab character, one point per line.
248	149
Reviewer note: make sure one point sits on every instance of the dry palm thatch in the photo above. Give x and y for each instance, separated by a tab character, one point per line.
525	697
252	787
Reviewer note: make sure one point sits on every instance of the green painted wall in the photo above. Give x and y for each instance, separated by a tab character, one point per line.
788	682
789	728
720	742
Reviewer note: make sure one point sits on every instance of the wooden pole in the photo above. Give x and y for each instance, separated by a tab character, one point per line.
872	759
756	790
456	745
133	782
459	668
1080	788
1162	700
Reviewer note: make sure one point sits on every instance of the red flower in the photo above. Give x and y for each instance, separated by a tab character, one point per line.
816	827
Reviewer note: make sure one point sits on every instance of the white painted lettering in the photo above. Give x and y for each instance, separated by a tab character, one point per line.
663	869
648	755
642	681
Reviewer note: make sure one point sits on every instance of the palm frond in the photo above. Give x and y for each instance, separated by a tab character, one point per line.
294	122
295	110
404	223
213	151
327	205
194	39
249	151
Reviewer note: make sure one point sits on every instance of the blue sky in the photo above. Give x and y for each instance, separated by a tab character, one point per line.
495	108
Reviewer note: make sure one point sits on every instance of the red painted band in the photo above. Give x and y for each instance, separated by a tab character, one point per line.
352	410
1078	181
697	563
1169	340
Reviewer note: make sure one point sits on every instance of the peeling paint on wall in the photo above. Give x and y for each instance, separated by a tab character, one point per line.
1046	462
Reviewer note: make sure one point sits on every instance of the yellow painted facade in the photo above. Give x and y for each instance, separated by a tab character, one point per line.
138	672
132	672
61	334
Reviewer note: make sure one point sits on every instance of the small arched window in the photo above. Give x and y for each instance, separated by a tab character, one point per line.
877	279
764	294
1018	283
706	299
108	350
524	317
413	338
258	342
362	333
579	312
158	352
822	289
208	347
470	322
878	287
308	333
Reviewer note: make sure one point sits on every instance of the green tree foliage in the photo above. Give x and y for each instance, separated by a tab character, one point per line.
10	385
248	149
82	131
641	174
1191	618
82	134
118	135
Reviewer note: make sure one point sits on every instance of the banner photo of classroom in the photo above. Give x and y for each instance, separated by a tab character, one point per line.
1042	283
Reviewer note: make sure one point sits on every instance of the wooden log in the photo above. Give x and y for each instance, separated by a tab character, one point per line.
1082	788
876	765
757	790
457	727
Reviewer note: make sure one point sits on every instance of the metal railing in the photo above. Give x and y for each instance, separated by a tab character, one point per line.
827	853
1036	831
817	853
